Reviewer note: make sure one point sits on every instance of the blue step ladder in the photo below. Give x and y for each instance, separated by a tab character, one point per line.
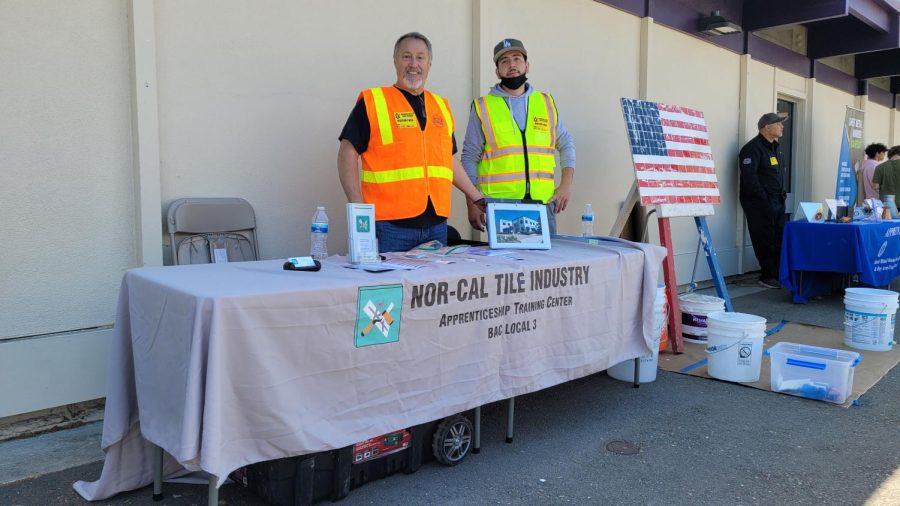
712	259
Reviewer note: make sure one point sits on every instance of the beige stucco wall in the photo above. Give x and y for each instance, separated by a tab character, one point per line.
895	132
760	95
877	124
65	182
66	197
790	84
829	108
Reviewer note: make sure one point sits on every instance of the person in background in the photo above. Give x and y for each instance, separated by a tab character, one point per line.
404	135
762	194
886	178
875	154
512	138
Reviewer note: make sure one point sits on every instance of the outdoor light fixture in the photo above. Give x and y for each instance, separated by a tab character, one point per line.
715	24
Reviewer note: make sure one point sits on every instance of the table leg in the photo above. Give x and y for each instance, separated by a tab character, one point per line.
509	419
212	497
637	372
157	473
477	447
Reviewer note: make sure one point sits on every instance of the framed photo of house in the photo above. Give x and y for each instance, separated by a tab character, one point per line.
517	226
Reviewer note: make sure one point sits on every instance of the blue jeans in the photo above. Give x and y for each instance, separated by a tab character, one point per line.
394	238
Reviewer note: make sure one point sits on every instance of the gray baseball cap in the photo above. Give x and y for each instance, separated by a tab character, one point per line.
771	118
507	45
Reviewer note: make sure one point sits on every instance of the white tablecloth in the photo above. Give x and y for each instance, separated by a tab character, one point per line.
224	365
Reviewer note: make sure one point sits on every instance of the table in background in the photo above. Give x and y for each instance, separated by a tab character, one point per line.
224	365
812	252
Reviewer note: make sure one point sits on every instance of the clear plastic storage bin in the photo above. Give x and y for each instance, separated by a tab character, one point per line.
824	374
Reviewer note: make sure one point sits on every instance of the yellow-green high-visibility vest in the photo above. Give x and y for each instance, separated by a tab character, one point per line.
515	162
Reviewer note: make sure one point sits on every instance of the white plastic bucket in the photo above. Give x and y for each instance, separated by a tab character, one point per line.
624	371
694	310
735	346
869	318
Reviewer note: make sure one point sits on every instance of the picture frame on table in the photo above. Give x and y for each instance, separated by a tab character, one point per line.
517	226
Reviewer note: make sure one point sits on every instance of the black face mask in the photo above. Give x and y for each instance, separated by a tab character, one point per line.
513	83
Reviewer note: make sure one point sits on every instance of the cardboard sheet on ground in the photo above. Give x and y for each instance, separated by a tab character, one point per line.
873	367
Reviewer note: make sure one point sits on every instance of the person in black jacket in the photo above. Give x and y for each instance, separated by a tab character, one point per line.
762	194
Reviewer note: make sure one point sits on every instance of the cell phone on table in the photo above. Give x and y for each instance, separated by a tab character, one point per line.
302	264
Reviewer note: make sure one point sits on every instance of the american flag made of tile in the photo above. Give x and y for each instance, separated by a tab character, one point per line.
672	158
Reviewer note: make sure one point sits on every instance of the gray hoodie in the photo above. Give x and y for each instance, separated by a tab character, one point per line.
473	146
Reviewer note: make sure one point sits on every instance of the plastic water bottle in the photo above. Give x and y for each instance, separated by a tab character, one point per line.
319	235
587	221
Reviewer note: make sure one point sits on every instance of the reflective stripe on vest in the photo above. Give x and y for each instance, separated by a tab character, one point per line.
501	171
403	165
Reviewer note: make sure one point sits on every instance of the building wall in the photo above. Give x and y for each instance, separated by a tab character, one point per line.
829	108
251	97
895	128
895	131
65	197
65	194
877	124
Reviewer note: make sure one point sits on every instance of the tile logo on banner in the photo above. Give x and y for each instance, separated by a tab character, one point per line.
378	315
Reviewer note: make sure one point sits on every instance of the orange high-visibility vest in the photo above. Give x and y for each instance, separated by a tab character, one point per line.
403	165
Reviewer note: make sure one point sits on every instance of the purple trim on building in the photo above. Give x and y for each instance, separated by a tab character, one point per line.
636	7
877	64
760	14
686	14
825	18
835	78
685	17
848	35
777	56
881	97
871	13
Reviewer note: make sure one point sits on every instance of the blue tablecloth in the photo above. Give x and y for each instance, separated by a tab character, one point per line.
810	252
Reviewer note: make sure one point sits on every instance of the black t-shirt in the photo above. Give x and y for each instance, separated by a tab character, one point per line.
357	132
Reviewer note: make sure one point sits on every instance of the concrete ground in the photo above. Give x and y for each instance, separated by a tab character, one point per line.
701	442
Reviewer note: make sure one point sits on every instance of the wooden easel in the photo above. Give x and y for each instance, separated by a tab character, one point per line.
631	224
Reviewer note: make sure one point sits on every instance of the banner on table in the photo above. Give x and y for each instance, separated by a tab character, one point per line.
851	155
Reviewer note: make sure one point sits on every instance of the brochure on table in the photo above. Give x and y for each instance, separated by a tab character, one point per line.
361	233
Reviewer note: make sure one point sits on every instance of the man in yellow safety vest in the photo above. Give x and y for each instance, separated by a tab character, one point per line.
512	139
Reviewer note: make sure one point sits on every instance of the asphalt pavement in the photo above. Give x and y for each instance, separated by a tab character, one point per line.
699	442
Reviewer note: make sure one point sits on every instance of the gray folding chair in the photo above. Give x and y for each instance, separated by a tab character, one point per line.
199	226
